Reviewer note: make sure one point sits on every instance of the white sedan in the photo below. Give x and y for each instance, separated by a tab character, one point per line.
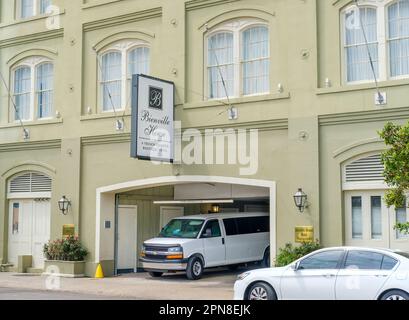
343	273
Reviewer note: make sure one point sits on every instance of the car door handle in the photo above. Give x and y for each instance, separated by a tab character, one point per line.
223	242
381	275
329	275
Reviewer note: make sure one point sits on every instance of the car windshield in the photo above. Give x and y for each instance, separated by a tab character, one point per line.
182	228
403	254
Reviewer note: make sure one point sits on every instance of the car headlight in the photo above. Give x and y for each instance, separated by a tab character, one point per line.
175	249
243	275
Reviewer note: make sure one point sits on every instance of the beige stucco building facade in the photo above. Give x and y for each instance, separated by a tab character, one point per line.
316	129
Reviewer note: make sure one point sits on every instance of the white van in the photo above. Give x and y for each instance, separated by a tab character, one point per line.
193	243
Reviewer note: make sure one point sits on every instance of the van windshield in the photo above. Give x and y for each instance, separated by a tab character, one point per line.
182	228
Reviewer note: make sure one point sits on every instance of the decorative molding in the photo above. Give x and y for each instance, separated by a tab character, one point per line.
32	37
28	164
200	4
237	14
269	125
120	36
123	19
32	52
106	139
364	116
356	144
30	145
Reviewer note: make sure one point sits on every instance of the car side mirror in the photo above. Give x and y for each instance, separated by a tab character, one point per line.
295	266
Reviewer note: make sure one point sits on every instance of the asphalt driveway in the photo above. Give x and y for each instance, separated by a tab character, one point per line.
215	285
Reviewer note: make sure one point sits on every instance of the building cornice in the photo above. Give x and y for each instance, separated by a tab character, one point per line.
269	125
106	139
123	19
199	4
30	145
364	116
32	37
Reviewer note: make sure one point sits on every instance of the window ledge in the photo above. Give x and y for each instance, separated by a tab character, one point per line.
31	123
30	19
237	101
365	86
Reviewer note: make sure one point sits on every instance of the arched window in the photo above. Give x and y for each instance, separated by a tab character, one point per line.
356	51
398	37
238	59
255	60
111	81
221	65
44	89
118	63
33	89
22	93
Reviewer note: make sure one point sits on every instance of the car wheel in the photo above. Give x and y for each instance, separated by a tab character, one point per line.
266	262
395	295
156	274
194	269
261	291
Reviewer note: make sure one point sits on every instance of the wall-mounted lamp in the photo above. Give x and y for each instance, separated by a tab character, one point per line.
63	205
300	199
215	208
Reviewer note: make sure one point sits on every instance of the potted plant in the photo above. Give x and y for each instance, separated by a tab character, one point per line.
65	257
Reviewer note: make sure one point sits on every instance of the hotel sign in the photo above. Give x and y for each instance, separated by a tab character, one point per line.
152	119
304	234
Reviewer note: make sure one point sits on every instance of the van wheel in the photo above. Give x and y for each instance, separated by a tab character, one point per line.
156	274
266	262
194	269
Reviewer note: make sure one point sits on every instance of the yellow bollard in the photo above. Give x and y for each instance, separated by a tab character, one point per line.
99	274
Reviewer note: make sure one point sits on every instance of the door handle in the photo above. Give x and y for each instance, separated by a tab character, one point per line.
223	242
329	275
381	275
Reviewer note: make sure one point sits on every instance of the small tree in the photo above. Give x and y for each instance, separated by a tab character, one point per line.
396	162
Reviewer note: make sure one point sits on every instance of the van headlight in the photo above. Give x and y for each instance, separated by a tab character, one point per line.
175	250
243	276
143	251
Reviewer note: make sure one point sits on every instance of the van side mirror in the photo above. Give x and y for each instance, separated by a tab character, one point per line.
207	233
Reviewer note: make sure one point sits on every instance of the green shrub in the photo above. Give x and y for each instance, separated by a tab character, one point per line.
67	249
290	253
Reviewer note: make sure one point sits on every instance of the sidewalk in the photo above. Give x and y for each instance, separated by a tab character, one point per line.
215	285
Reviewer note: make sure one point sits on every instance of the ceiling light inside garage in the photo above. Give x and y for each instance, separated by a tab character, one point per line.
194	201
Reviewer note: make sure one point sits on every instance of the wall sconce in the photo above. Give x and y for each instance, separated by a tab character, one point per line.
63	205
215	208
300	199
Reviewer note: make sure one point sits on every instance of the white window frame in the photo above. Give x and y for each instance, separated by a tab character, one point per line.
123	47
236	27
36	9
381	7
32	63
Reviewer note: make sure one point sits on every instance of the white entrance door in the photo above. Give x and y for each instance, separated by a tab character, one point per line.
370	223
29	230
169	213
127	238
41	231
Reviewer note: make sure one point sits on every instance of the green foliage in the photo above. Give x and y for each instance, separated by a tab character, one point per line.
290	253
67	249
396	162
